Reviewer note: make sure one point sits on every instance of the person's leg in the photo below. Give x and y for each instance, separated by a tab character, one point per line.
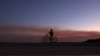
50	37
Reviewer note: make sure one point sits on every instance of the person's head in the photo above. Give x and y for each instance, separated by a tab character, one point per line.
51	30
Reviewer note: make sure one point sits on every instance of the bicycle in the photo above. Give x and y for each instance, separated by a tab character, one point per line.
49	39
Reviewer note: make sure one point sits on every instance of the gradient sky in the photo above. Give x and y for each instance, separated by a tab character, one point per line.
65	14
29	20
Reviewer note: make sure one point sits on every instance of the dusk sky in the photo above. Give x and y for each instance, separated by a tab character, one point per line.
65	14
81	15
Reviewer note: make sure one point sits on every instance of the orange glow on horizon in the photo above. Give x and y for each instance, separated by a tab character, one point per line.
39	32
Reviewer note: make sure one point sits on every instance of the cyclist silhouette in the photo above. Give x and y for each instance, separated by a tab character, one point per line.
49	38
51	33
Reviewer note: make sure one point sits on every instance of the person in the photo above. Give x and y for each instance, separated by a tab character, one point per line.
51	33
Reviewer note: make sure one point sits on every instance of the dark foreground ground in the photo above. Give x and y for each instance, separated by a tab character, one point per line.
60	48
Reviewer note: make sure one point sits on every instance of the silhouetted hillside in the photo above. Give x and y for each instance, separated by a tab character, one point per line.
93	41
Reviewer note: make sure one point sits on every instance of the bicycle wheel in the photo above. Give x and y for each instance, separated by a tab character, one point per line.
54	39
44	39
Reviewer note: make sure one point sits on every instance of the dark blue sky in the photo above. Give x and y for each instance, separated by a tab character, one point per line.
65	14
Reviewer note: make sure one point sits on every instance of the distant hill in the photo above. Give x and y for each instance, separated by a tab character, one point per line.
93	41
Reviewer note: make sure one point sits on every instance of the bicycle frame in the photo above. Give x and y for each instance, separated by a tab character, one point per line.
48	38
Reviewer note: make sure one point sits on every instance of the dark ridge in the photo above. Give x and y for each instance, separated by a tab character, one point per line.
92	41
